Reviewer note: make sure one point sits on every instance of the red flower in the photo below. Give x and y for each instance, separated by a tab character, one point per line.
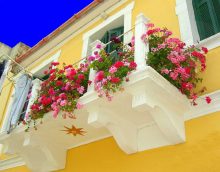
52	77
150	32
52	71
89	82
35	107
46	101
63	96
81	76
208	99
69	66
59	83
119	64
205	50
61	71
55	63
115	80
100	75
188	70
132	65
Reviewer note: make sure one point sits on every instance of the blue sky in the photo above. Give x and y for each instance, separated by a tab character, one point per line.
28	21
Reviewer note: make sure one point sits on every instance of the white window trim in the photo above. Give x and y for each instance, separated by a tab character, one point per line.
53	58
188	28
125	12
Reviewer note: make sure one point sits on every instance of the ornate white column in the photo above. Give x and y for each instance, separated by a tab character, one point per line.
141	48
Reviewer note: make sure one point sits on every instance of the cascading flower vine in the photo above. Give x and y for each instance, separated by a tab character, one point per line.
179	64
112	69
60	92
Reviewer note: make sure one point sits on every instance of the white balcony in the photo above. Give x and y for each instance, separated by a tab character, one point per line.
148	114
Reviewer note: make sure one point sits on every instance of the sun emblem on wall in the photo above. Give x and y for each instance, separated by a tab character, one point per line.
74	131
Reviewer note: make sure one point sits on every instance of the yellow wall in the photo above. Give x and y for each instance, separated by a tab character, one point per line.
201	152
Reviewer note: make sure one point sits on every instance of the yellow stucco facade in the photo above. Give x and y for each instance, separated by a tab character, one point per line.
200	152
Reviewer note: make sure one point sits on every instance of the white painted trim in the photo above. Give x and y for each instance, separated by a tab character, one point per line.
125	12
203	109
187	23
11	163
211	42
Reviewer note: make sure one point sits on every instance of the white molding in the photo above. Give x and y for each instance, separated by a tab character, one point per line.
211	42
204	109
125	12
11	163
187	23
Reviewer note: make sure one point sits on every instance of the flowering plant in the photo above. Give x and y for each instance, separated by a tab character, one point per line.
179	64
60	92
112	68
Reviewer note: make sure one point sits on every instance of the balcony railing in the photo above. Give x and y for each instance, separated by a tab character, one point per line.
148	114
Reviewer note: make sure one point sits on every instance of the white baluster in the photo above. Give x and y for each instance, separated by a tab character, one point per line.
92	71
141	48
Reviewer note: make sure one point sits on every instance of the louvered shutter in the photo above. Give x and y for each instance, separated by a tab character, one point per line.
115	33
206	17
22	87
216	5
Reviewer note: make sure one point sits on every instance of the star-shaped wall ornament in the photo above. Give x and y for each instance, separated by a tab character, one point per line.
74	131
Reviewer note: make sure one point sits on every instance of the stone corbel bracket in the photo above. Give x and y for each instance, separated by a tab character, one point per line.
149	114
38	153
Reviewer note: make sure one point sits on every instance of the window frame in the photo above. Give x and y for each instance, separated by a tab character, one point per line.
188	27
126	13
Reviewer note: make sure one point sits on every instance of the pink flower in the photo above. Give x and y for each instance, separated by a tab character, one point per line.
99	46
132	41
174	75
166	71
99	76
132	65
91	58
81	90
149	25
79	105
63	103
113	69
208	99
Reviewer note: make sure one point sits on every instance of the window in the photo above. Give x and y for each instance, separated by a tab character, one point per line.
207	15
114	25
109	35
